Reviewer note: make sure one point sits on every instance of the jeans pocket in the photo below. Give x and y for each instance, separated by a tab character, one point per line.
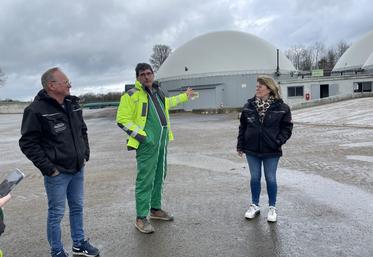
55	176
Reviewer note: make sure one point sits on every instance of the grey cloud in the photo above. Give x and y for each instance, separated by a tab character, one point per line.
98	42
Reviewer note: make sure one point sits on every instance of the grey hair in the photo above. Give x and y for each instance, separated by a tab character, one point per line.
48	76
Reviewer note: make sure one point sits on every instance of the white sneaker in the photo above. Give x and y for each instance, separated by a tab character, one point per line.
252	211
272	216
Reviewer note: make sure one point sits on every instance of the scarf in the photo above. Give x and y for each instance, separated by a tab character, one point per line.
262	106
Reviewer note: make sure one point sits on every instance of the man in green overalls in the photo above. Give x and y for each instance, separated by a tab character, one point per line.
143	115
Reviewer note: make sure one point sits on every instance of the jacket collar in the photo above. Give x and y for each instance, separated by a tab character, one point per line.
43	96
140	86
250	101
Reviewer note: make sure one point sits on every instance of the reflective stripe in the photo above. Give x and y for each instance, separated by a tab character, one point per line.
131	91
122	127
129	125
134	133
52	114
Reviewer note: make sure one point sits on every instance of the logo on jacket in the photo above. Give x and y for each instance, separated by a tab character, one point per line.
59	127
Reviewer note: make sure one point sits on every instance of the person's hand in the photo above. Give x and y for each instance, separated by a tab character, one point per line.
4	200
189	92
240	153
55	173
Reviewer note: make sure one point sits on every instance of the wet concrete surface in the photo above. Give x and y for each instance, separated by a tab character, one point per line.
325	200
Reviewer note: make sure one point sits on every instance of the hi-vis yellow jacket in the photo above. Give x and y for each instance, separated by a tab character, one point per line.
133	110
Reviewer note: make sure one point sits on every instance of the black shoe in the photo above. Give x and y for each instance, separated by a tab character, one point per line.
60	254
86	249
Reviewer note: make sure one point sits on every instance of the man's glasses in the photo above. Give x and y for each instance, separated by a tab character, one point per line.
67	82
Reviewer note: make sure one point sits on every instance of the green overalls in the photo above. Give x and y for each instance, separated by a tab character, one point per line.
137	115
151	159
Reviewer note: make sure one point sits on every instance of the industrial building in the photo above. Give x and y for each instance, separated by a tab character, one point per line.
352	74
223	67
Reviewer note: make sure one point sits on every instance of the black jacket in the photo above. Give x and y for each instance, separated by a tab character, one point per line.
264	139
2	227
53	136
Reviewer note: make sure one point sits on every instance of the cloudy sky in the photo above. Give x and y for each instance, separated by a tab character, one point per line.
98	43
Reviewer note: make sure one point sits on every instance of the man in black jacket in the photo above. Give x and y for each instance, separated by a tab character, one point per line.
54	137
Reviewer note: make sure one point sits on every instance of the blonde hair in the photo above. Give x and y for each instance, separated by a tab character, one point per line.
271	84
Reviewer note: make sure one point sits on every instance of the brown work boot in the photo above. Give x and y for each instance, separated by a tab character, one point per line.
144	226
160	215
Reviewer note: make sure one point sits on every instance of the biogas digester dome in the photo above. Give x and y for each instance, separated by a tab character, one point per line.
222	67
358	56
223	52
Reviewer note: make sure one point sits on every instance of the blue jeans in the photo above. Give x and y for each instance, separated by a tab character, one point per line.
59	188
270	168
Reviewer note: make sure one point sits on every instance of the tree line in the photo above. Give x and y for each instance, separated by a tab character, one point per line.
316	55
94	98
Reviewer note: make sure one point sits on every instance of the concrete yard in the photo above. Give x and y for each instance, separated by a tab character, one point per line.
325	199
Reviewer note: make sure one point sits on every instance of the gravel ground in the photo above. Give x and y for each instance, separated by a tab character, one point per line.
325	191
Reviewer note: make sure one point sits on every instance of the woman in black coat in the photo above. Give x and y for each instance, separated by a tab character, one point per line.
265	125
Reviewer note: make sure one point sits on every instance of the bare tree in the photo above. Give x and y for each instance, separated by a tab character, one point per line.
328	61
2	78
323	63
331	56
160	54
342	46
294	55
306	59
316	56
301	57
318	50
